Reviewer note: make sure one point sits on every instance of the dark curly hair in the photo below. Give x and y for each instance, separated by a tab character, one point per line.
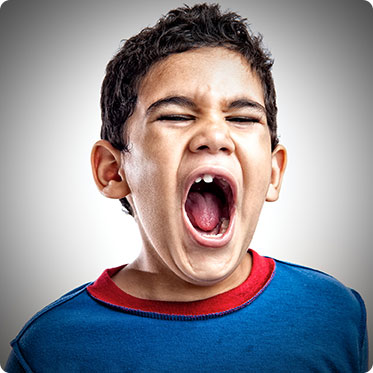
182	29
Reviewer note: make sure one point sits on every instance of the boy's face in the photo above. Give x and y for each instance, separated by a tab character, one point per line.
200	114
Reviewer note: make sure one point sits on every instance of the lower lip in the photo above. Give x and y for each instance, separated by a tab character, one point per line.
211	240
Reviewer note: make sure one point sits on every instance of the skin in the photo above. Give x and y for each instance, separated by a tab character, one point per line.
168	142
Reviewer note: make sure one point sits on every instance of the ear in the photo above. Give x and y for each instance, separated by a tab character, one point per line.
107	171
279	160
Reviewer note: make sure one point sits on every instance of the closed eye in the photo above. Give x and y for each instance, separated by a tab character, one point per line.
175	118
243	120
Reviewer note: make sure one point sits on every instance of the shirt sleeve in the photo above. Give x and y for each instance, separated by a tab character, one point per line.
364	354
13	365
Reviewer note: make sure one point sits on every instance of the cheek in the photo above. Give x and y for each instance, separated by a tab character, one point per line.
256	162
141	173
254	150
138	169
140	164
150	168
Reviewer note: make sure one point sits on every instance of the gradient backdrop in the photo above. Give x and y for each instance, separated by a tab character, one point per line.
57	231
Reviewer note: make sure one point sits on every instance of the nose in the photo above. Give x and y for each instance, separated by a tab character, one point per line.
212	136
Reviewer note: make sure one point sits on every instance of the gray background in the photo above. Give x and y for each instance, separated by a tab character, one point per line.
57	231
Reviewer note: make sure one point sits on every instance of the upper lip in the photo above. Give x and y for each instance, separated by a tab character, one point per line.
215	171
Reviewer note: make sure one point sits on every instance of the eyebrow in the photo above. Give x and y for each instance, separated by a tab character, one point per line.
244	103
187	102
171	100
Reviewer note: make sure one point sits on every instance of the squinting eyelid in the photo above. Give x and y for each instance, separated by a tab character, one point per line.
174	117
242	117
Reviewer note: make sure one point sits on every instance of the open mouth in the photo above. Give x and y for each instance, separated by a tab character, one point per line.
209	208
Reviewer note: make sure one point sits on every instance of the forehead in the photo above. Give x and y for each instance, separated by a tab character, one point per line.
216	75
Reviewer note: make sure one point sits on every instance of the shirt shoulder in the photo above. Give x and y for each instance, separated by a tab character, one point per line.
66	298
315	282
41	330
314	289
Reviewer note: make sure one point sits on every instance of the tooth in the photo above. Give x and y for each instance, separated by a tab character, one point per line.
198	179
208	178
225	223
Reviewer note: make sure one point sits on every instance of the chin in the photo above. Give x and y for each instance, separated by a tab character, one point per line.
206	266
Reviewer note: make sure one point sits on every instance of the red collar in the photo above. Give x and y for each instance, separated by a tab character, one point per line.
105	290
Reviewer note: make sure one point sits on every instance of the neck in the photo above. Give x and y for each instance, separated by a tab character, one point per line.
141	280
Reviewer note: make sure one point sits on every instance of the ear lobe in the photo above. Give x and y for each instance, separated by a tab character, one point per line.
279	160
107	171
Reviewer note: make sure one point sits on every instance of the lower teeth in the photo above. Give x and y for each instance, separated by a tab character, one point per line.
224	225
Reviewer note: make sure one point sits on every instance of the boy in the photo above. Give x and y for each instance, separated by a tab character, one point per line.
189	145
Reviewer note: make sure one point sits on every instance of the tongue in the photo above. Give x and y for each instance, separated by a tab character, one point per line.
204	210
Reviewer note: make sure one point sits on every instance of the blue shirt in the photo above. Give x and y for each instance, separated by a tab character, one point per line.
284	318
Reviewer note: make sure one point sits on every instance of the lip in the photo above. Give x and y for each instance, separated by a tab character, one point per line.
201	239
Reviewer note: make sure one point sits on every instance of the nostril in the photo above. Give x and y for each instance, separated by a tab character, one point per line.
203	147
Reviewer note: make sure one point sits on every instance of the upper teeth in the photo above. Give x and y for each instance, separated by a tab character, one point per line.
206	178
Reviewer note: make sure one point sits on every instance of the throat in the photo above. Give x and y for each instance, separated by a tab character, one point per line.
147	284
